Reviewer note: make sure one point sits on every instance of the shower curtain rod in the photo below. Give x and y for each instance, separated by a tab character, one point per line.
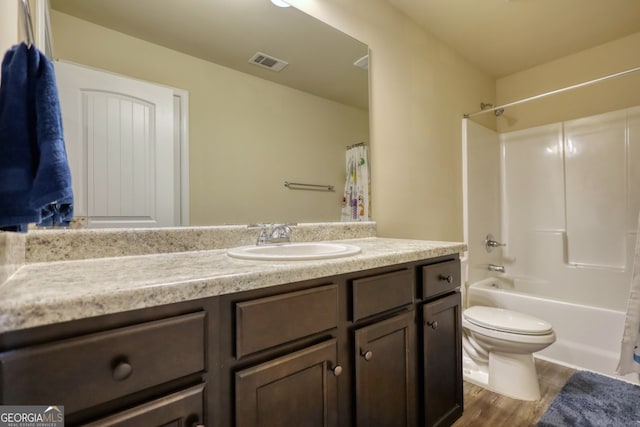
359	144
553	92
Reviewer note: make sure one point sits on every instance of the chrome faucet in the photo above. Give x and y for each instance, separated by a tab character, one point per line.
277	233
496	268
490	243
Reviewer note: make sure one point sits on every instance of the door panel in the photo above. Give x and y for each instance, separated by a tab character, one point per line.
120	142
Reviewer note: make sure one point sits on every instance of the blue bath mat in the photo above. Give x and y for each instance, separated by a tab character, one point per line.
592	400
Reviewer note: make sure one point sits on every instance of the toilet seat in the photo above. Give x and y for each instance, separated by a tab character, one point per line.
506	321
510	339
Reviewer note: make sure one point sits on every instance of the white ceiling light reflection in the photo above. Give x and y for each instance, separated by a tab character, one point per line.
280	3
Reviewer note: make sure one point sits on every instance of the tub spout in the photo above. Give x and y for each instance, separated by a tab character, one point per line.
496	268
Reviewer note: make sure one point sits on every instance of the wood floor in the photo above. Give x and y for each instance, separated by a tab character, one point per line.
484	408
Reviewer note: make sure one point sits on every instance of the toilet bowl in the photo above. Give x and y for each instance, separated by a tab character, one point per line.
498	347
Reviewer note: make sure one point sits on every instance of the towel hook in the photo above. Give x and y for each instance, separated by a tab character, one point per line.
28	25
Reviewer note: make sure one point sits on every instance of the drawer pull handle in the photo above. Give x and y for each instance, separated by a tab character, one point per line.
448	279
367	355
122	371
337	370
433	324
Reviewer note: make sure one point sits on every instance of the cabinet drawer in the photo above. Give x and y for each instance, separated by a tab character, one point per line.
440	278
375	294
266	322
84	371
183	408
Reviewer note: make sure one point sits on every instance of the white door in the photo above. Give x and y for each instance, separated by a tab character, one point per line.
120	141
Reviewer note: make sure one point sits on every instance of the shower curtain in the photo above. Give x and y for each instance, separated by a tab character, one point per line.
630	353
355	200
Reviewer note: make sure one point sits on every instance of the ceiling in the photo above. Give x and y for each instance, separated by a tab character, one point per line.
230	32
502	37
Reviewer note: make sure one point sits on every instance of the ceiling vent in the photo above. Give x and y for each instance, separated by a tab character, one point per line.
265	61
362	62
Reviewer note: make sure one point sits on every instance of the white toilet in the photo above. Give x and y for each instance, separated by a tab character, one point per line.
498	347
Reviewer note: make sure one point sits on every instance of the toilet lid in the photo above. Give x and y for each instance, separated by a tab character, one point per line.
503	320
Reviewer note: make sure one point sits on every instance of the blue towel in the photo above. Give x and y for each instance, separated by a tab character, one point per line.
35	181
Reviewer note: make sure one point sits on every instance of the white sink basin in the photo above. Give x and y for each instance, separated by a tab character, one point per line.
294	251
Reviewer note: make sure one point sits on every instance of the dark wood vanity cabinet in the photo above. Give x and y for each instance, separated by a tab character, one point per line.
385	372
441	329
143	368
298	389
183	408
282	377
377	347
383	351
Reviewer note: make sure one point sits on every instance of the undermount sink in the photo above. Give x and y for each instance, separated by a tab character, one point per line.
294	251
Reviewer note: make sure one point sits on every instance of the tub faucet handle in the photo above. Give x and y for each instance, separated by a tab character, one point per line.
490	243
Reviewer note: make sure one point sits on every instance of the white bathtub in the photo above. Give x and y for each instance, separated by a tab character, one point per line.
588	337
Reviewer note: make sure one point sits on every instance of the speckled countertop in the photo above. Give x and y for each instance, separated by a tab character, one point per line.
44	293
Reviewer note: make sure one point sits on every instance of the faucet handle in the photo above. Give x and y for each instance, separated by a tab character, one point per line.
490	243
280	231
263	237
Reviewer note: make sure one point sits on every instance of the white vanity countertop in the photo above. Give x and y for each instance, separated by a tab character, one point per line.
46	293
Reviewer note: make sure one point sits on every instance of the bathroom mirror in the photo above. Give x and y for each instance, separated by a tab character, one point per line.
250	128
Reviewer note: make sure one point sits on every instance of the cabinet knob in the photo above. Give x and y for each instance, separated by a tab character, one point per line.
367	355
337	370
433	324
122	370
448	278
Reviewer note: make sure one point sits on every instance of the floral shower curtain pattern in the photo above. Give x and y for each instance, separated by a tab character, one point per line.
630	353
355	201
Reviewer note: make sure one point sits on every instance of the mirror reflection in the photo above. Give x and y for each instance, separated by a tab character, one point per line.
249	128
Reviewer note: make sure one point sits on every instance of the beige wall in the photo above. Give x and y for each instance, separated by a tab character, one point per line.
247	135
420	89
609	58
8	25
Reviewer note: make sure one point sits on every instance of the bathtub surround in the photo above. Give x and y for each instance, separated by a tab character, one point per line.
566	215
562	197
630	348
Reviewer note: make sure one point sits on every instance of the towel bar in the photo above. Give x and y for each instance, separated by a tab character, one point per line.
298	184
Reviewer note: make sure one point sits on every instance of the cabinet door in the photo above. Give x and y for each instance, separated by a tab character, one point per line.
385	373
181	409
442	361
299	389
